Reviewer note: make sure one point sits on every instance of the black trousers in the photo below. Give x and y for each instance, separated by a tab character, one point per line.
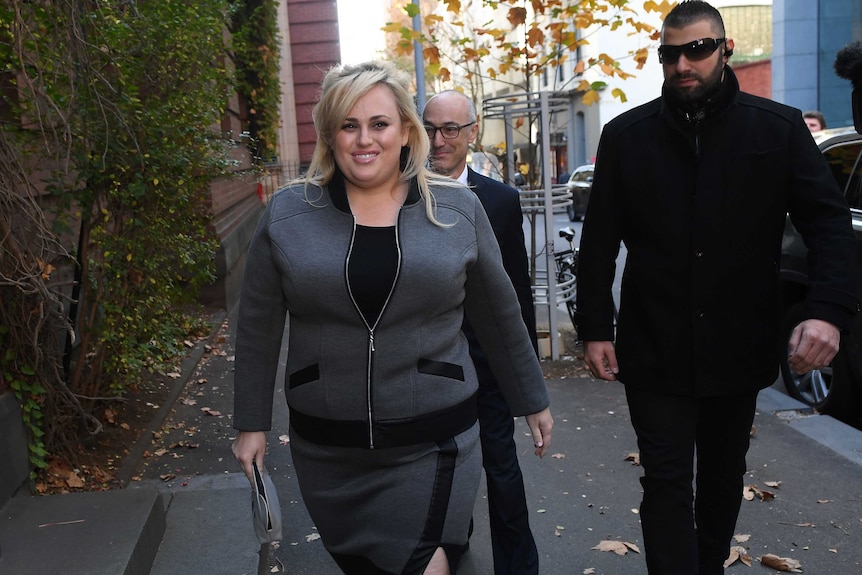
512	541
686	530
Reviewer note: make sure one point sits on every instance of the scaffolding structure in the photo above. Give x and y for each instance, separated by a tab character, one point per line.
544	200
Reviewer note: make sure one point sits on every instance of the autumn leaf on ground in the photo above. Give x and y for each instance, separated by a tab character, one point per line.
558	456
210	411
590	571
750	491
312	537
781	563
72	480
773	484
188	401
824	501
742	538
635	458
618	547
737	553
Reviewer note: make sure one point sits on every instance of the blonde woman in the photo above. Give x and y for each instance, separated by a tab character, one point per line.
374	261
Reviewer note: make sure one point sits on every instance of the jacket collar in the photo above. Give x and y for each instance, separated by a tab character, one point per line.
714	106
338	192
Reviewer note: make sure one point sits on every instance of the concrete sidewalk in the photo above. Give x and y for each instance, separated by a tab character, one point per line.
190	502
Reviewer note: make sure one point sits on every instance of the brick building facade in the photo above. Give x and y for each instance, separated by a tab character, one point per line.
309	47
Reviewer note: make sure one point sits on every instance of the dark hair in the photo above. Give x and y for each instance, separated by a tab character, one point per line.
689	12
817	116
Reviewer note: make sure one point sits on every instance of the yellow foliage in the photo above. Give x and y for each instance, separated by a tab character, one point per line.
620	95
640	57
453	6
590	98
663	8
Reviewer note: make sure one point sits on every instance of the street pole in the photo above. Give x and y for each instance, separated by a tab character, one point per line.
419	61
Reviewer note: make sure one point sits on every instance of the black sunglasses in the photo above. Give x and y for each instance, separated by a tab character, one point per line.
697	50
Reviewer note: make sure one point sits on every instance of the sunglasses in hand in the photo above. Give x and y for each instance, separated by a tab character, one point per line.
697	50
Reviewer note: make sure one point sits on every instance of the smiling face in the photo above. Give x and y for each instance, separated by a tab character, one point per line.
449	155
692	80
367	146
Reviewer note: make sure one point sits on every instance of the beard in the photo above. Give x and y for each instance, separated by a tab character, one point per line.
698	94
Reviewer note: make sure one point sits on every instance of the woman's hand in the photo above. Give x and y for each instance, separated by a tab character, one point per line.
540	425
249	446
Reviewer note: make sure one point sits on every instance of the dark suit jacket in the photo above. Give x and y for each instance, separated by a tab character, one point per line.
502	204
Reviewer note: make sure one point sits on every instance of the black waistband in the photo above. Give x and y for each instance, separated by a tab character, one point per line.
429	428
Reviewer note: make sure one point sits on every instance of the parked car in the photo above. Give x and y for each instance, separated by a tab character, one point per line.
837	389
580	183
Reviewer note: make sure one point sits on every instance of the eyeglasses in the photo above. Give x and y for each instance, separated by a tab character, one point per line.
697	50
448	132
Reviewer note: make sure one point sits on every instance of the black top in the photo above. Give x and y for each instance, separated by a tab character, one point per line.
372	268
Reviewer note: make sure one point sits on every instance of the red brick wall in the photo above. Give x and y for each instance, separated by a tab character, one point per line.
314	49
755	77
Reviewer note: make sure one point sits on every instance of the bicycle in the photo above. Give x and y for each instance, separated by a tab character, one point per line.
566	262
567	277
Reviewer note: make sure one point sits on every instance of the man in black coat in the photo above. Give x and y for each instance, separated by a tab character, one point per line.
697	183
451	122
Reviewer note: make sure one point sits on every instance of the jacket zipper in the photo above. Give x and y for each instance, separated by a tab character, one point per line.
371	350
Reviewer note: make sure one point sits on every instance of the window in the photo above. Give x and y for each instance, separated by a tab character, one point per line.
844	160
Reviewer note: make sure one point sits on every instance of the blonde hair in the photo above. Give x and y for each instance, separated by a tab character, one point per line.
341	88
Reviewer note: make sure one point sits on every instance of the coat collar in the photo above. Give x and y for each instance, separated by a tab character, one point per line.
338	192
714	107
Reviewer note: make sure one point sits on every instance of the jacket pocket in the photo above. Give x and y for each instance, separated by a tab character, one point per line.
304	375
441	369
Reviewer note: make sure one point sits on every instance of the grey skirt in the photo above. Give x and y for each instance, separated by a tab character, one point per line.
387	510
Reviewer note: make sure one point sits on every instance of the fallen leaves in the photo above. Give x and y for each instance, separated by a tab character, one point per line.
749	492
781	563
738	553
618	547
634	457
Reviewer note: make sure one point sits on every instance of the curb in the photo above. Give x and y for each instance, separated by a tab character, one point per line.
189	365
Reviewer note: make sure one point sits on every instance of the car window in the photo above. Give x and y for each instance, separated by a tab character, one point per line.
844	161
585	176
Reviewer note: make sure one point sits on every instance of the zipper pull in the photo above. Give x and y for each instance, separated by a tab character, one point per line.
371	336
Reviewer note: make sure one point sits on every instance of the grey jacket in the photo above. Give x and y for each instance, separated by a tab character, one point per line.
415	364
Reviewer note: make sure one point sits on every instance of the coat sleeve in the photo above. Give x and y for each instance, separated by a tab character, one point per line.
494	313
513	248
599	247
819	211
260	327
